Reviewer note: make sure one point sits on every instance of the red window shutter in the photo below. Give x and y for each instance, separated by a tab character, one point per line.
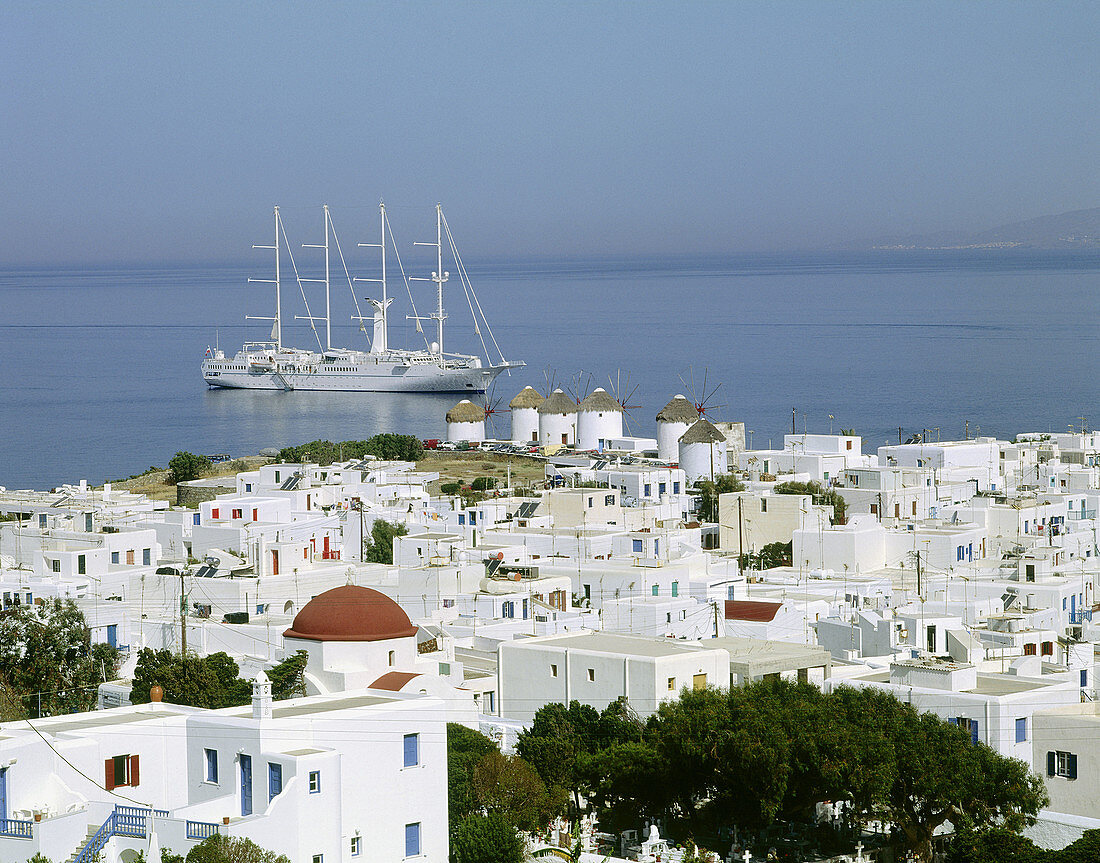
109	774
134	775
214	513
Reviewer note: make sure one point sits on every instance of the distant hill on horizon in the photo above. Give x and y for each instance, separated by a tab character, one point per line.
1079	229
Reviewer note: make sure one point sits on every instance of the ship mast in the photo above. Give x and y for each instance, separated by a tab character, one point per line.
277	327
439	277
328	302
380	337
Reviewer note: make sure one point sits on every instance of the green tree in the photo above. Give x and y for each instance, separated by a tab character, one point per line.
771	555
288	678
465	748
450	488
484	483
379	548
997	845
185	466
709	491
227	849
510	787
47	662
485	839
941	776
198	681
821	496
556	741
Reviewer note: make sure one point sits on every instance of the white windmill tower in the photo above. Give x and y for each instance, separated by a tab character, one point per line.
599	420
702	450
466	422
557	420
673	420
525	415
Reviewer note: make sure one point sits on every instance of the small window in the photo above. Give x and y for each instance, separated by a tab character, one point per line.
675	588
1048	648
1029	650
592	675
1062	764
55	565
655	590
648	490
82	564
392	658
121	770
318	858
356	846
146	556
676	488
411	750
237	513
1021	729
211	765
764	503
130	557
609	500
662	488
412	840
553	670
590	503
114	557
636	546
315	782
274	780
672	684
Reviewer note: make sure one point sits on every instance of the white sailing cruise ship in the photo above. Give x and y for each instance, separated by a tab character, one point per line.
271	365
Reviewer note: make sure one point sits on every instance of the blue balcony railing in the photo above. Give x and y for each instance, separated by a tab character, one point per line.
11	827
201	829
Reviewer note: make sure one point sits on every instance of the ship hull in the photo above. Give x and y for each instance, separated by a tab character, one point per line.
426	378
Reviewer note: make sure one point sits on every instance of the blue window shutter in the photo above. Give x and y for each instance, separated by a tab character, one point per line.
412	839
953	720
974	731
1084	677
1021	729
1071	765
412	747
1052	763
636	545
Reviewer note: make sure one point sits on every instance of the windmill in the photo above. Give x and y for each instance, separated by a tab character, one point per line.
623	393
701	397
491	404
580	386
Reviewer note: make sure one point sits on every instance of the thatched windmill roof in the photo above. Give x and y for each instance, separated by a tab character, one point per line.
528	397
679	410
466	412
558	403
702	432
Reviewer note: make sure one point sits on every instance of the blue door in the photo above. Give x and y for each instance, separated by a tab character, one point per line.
3	793
1073	608
246	785
112	634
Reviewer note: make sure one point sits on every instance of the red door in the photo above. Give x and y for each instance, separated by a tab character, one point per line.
325	552
274	562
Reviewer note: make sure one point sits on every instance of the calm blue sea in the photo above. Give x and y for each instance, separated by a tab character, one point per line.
101	366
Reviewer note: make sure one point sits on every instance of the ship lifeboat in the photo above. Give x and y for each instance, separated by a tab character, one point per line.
261	364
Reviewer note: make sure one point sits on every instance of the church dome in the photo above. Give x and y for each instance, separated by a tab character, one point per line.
351	613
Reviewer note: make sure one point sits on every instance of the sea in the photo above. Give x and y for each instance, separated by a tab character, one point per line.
100	376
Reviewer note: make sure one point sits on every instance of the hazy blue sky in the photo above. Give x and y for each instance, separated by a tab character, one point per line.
152	131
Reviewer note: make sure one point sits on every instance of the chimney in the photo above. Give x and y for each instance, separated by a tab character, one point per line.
261	696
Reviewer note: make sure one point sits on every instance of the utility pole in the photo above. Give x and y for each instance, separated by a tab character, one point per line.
740	537
793	416
918	573
183	618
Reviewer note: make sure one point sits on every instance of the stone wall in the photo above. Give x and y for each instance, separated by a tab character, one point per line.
195	491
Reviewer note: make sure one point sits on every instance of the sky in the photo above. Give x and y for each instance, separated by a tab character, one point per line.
144	132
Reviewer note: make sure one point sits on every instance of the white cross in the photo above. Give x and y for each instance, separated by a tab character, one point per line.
747	857
859	851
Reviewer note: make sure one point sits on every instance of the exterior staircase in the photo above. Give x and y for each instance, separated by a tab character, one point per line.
92	830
